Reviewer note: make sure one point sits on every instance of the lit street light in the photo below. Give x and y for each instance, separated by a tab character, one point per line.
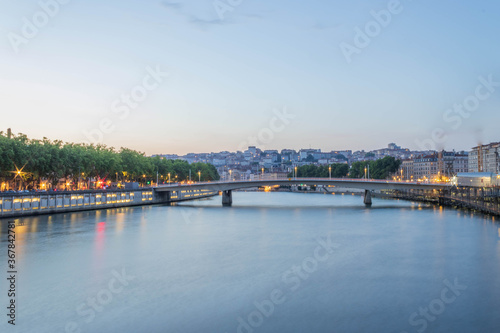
330	171
199	176
20	173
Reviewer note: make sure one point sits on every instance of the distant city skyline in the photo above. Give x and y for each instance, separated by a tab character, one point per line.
371	147
178	77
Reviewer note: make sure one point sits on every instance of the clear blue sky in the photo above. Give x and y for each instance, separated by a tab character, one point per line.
226	76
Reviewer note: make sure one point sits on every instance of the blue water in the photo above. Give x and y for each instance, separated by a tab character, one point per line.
274	262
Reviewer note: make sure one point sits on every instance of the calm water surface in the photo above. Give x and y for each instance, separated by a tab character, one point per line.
274	262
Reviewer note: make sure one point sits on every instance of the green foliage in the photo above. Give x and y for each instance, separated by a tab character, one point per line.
339	170
379	169
207	171
310	158
53	160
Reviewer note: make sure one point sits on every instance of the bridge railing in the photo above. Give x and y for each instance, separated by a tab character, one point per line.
357	180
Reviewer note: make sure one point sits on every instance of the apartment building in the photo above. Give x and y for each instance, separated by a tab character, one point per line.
485	158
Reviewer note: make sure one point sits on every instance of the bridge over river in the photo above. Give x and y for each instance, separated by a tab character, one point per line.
226	187
25	204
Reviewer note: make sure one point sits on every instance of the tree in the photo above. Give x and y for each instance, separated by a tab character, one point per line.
53	160
379	169
310	158
339	170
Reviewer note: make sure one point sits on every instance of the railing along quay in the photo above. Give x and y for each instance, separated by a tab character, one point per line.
483	199
26	204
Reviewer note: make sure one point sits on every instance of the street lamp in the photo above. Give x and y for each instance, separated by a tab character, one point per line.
169	178
295	172
330	171
365	172
199	176
20	173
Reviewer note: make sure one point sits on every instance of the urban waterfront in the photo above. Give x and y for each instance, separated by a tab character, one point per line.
273	262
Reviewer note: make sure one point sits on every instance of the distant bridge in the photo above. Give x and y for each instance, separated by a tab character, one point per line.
177	191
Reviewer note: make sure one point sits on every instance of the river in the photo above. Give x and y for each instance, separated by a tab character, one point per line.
274	262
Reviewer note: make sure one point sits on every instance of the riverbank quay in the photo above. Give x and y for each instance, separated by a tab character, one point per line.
29	204
485	200
481	199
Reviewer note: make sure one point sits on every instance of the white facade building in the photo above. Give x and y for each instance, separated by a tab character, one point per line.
485	158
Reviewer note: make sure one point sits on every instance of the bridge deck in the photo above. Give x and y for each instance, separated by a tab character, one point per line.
365	184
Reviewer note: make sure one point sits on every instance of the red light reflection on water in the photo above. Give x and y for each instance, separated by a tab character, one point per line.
99	236
101	226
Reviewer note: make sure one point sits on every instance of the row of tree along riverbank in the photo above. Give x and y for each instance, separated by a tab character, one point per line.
25	163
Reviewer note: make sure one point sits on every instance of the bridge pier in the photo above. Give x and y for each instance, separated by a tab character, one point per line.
227	198
368	198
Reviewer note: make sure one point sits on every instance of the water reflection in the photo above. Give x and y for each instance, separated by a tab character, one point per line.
199	266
